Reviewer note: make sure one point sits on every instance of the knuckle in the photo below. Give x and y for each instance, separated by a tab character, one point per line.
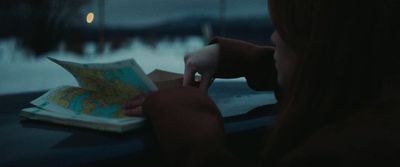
191	65
187	57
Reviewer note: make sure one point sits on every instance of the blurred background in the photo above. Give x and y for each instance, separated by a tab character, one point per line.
156	33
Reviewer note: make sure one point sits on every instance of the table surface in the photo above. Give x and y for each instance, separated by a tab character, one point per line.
36	143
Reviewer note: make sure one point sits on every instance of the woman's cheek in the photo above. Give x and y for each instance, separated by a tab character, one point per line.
284	67
278	67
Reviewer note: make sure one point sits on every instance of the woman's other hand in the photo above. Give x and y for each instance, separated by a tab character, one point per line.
188	126
204	62
133	107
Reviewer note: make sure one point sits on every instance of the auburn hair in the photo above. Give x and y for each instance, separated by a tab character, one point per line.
348	62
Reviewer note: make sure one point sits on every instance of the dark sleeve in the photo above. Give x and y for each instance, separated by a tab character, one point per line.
189	128
242	59
354	145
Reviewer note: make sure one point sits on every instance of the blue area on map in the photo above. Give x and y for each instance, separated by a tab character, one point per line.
76	103
105	111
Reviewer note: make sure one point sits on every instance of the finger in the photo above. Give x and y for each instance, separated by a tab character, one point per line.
205	82
136	101
134	111
186	58
132	103
188	76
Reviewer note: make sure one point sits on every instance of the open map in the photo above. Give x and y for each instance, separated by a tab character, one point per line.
104	88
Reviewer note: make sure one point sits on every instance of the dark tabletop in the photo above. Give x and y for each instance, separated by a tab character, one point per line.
33	143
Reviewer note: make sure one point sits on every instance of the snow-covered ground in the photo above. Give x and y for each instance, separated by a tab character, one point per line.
21	72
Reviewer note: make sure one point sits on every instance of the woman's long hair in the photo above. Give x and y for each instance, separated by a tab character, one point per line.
348	61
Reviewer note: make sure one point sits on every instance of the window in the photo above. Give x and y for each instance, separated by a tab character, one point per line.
156	33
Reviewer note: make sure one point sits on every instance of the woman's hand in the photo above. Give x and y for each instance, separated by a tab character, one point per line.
188	126
204	62
133	107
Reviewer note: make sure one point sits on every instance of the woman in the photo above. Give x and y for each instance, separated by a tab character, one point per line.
339	71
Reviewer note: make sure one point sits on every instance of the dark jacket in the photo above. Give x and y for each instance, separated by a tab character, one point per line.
368	139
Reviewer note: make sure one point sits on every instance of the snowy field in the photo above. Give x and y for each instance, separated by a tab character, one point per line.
21	72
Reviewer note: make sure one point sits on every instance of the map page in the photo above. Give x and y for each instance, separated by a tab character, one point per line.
117	78
76	100
104	88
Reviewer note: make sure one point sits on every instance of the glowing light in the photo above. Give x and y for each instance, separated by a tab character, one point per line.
90	17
